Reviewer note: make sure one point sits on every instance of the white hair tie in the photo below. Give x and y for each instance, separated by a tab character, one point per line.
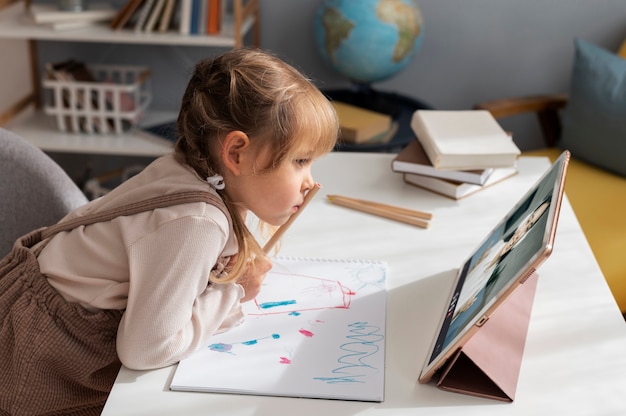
216	181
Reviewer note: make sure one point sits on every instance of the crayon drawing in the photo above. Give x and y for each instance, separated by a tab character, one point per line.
317	329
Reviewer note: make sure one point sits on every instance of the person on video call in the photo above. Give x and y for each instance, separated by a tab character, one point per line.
519	247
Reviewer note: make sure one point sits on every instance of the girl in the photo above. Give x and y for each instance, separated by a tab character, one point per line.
147	273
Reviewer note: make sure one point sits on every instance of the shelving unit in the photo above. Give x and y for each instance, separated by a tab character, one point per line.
16	23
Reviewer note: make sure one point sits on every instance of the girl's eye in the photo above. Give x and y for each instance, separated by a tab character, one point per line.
302	162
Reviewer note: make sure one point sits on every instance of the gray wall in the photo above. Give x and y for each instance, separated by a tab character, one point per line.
473	50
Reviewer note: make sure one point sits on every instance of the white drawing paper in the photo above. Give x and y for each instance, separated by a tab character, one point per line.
317	329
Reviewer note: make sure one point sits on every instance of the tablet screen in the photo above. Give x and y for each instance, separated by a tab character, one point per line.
516	246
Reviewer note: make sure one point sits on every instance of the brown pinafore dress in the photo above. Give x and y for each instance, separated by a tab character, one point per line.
57	358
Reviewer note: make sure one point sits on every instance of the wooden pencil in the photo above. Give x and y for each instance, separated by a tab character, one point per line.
392	208
378	211
283	228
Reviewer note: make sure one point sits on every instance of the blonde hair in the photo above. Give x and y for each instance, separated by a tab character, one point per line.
259	94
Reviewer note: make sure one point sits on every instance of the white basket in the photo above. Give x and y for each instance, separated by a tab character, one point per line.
116	103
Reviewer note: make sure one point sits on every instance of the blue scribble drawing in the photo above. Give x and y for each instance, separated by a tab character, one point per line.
364	340
267	305
316	329
223	347
369	276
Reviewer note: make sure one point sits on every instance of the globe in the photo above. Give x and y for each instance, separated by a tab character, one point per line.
368	40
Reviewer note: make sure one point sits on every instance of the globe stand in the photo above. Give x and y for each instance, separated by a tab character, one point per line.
399	107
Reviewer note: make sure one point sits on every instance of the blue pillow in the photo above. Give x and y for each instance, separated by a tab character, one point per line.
594	121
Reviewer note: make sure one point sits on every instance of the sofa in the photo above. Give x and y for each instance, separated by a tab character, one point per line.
590	122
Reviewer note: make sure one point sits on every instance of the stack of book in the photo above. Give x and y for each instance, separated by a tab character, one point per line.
49	14
456	153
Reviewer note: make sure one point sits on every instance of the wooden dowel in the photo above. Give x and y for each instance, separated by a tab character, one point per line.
283	228
392	208
380	212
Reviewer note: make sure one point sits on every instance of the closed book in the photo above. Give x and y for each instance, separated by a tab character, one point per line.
71	25
166	17
359	125
50	13
194	24
184	18
464	139
214	17
143	14
125	14
413	159
457	190
202	16
155	15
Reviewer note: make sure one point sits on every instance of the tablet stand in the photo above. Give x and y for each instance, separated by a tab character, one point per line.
488	364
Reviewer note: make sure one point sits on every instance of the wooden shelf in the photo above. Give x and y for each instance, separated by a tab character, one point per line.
17	23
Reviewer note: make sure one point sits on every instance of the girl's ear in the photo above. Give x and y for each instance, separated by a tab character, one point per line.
234	146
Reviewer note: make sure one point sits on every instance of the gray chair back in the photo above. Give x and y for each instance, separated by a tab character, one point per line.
34	190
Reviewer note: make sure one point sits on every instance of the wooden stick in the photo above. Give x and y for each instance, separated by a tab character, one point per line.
392	208
378	211
283	228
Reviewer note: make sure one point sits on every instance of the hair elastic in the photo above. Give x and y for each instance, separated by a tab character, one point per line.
216	181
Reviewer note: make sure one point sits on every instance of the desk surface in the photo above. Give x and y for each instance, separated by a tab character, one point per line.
575	356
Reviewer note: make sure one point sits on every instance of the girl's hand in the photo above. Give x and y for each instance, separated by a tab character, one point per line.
253	277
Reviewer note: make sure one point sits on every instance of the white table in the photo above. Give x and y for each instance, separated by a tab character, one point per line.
575	357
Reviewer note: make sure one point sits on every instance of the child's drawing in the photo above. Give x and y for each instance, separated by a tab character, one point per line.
317	329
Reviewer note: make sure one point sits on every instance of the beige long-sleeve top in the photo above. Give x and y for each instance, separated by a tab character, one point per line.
154	265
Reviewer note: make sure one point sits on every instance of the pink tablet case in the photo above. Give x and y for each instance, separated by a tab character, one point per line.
488	364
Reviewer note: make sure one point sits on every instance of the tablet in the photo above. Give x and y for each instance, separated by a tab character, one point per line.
509	254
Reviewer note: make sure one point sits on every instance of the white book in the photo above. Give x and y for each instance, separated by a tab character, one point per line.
166	16
50	13
413	159
464	139
71	25
155	14
143	14
184	25
202	16
457	190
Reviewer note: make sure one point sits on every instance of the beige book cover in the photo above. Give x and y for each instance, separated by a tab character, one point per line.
464	139
359	125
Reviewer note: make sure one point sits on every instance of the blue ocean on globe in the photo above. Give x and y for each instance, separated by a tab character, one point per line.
368	40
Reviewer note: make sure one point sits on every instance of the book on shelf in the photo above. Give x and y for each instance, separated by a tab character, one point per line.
71	25
142	14
202	16
413	159
184	17
155	15
125	14
166	17
44	13
214	17
457	190
359	125
194	25
464	139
